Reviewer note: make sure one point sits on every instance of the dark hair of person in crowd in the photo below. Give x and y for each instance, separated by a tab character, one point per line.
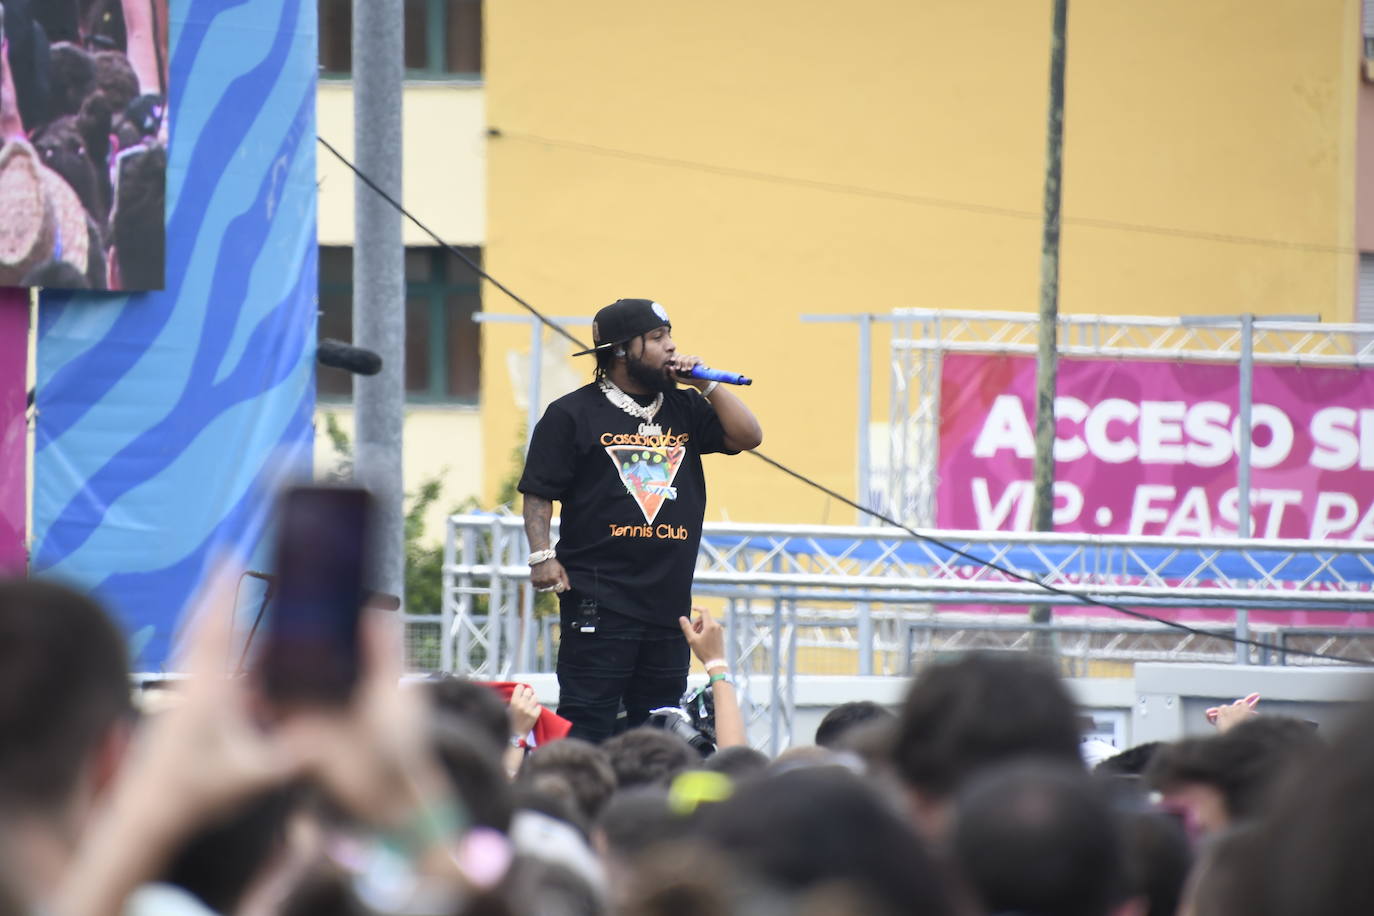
536	885
1158	854
816	826
634	829
634	821
473	766
64	686
585	767
647	756
1132	761
1158	858
1037	836
1223	881
1243	764
1312	851
221	861
1202	760
137	229
684	879
981	710
71	74
115	79
550	795
739	762
76	147
809	755
1272	745
843	718
871	744
477	704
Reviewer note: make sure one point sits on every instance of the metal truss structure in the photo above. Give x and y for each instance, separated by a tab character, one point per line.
880	588
920	338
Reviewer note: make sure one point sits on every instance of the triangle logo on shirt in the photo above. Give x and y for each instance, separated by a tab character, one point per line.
648	474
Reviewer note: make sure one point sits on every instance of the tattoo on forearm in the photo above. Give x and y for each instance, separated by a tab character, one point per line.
538	518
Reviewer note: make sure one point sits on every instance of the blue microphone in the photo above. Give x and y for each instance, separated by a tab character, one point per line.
717	375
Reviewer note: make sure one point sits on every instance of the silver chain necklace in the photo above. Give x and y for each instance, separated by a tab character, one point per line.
630	406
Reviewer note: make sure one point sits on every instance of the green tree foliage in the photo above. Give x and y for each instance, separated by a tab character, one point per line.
424	563
424	572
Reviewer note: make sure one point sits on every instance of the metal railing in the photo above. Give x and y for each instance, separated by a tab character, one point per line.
880	585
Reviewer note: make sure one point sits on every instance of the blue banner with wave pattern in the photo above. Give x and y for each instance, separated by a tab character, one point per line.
165	419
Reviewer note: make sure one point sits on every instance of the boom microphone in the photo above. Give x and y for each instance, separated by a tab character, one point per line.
338	355
717	375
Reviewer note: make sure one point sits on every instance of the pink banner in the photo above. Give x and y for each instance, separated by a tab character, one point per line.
1150	448
14	351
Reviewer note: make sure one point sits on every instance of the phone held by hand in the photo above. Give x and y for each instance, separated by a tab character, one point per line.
310	654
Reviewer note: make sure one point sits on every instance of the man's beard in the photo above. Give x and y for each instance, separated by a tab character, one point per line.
654	380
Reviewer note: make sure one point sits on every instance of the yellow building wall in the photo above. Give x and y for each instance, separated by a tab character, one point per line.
746	163
444	162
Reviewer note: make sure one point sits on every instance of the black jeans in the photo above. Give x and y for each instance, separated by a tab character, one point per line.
625	660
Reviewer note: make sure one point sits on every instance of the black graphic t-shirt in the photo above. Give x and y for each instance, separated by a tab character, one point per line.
632	504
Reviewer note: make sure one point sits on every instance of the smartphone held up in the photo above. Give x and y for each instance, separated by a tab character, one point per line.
309	653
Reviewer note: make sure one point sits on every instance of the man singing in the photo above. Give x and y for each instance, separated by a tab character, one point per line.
623	456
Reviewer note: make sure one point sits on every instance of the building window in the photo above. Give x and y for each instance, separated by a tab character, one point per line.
443	346
443	39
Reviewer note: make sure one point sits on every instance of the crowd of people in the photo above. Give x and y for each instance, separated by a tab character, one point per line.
83	143
424	796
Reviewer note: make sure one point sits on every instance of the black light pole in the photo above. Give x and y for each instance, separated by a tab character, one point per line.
1047	359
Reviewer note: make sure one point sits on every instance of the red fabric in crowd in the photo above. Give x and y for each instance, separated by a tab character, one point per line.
550	726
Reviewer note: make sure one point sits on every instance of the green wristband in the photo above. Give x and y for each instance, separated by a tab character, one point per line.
720	676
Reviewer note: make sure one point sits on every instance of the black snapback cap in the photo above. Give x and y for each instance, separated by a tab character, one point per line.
625	319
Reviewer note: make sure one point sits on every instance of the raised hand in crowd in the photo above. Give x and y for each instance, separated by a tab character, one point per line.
212	751
706	637
1232	714
189	764
374	756
524	711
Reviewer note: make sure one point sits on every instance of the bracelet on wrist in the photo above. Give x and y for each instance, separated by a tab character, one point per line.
716	663
720	676
706	392
542	556
519	741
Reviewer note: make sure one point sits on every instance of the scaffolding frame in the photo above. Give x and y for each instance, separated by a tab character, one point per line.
921	337
777	579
